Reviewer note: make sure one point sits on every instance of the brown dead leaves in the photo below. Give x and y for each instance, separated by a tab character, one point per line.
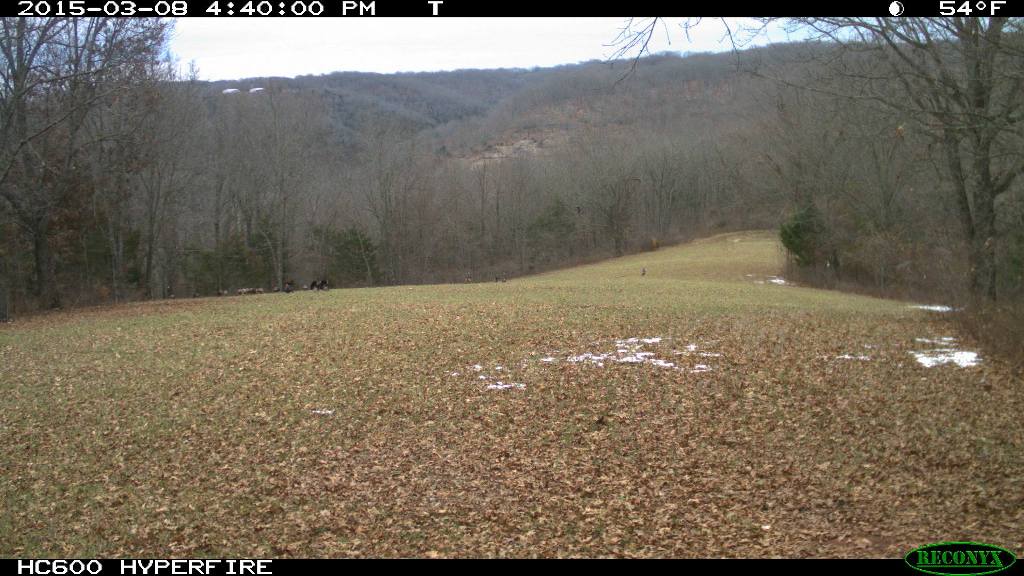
330	425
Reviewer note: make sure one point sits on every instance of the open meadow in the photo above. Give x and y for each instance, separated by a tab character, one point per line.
706	408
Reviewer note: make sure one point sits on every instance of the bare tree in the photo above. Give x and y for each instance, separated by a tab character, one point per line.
389	181
163	173
280	135
959	79
54	72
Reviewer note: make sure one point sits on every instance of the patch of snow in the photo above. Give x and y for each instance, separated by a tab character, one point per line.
710	354
942	340
932	358
477	367
849	357
504	386
933	307
229	91
627	351
588	357
498	368
322	412
254	90
777	280
455	373
701	368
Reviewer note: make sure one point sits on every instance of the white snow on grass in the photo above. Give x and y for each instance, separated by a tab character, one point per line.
850	357
627	351
504	386
322	412
588	357
934	358
946	353
492	382
933	307
777	280
692	348
229	91
942	340
630	351
632	359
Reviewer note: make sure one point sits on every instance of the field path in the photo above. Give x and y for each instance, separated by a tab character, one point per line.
704	409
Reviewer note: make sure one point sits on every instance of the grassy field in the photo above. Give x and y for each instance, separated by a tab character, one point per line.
370	422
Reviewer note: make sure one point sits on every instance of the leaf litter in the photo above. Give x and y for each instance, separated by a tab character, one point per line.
152	430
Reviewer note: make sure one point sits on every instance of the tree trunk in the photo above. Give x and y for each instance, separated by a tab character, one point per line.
983	282
983	256
115	238
975	199
4	315
366	260
218	249
150	291
46	285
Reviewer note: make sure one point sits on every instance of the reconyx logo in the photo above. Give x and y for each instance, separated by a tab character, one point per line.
959	558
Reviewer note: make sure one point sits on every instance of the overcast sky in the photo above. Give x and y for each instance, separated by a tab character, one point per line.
225	49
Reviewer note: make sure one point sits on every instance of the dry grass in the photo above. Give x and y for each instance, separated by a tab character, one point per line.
188	429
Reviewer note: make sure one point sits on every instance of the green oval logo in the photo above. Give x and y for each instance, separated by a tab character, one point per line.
959	559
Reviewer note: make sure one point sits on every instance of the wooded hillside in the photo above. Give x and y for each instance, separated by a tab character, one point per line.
121	181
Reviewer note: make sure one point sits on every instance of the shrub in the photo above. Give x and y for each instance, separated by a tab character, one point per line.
800	235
